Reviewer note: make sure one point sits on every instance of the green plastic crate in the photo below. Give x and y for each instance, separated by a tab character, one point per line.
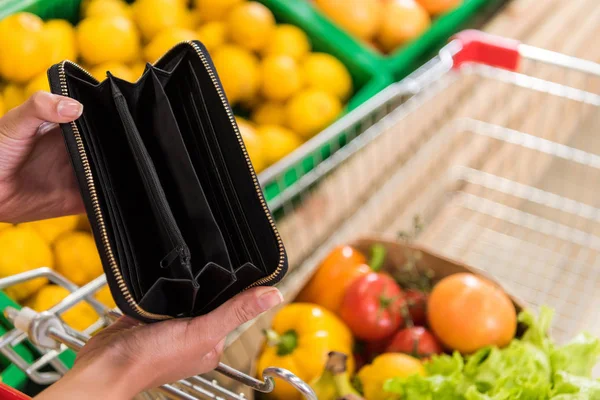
399	63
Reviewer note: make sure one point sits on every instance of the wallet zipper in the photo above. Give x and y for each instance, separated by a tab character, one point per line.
96	204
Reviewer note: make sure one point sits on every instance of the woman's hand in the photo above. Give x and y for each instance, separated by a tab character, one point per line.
36	177
127	358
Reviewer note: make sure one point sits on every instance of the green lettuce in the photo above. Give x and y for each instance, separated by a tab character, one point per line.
529	368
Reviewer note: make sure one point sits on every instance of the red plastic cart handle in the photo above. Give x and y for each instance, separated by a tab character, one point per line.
8	393
483	48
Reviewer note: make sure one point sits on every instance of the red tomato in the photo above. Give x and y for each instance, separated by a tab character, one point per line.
372	306
416	301
416	341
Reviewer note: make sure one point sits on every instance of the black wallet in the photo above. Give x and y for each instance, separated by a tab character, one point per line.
175	206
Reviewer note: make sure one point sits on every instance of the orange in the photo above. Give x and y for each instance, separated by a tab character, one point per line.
467	312
281	77
403	21
102	39
251	25
435	7
360	18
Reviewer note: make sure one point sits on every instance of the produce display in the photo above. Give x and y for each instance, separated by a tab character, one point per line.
409	334
64	244
385	25
283	92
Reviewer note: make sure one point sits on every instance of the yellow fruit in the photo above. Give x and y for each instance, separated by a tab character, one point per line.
60	39
4	225
23	50
23	249
325	72
238	71
79	317
13	96
83	223
137	69
277	142
311	110
106	8
212	10
40	82
2	111
102	39
403	21
281	77
270	112
105	297
253	144
77	258
288	40
251	25
50	229
117	69
156	16
360	18
165	40
213	35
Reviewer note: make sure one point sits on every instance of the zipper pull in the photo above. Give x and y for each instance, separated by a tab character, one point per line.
171	257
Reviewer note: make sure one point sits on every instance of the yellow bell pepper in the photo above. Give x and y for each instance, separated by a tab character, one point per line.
301	337
384	367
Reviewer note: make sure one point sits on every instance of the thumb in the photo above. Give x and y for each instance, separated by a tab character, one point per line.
23	121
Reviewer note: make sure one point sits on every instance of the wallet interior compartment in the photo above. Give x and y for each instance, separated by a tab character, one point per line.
126	206
162	138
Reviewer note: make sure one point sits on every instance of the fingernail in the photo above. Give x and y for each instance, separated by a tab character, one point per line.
69	108
269	299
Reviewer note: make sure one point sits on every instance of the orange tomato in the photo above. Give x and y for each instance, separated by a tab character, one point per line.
467	312
435	7
328	285
403	21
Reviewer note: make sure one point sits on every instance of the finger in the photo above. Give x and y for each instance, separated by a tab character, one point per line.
237	311
23	121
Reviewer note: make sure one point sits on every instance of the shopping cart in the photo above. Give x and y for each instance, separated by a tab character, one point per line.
500	165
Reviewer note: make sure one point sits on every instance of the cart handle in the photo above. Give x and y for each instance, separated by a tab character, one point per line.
484	48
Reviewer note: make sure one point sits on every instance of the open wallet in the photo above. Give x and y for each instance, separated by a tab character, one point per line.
176	209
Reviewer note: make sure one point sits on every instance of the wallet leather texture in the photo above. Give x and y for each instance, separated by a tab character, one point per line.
175	206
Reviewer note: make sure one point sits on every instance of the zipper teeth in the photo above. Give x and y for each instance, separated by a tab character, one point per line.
261	198
98	212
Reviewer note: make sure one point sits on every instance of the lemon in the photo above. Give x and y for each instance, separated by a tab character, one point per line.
253	144
102	39
60	38
76	257
288	40
83	223
155	16
2	106
13	96
360	18
281	77
106	8
311	110
40	82
270	112
24	53
165	40
117	69
23	249
4	225
238	71
105	297
50	229
250	25
277	142
137	69
324	71
212	35
79	317
211	10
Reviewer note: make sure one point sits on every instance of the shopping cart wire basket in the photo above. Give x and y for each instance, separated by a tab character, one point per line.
492	143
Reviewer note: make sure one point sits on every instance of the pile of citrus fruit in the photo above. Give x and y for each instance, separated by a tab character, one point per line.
287	92
64	244
385	25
